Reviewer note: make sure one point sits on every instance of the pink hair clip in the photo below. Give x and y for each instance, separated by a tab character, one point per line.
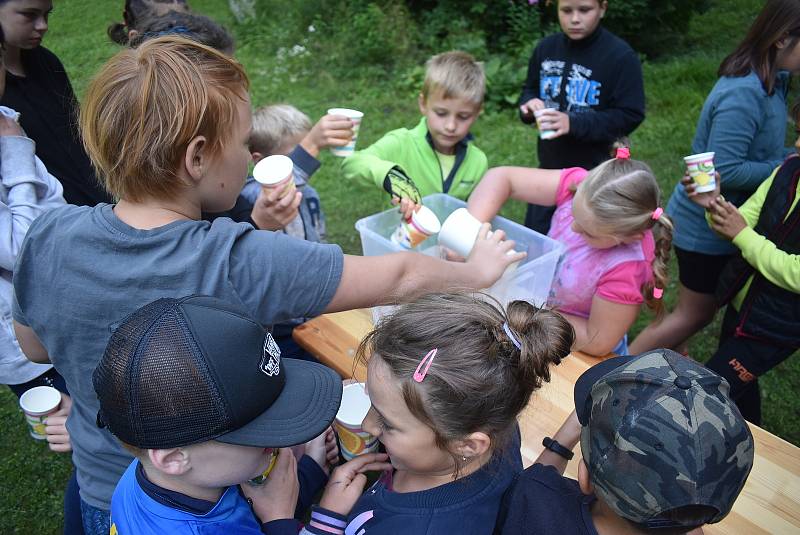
623	153
420	375
658	293
657	213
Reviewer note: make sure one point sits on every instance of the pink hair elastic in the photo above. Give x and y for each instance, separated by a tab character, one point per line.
658	293
624	153
657	213
420	375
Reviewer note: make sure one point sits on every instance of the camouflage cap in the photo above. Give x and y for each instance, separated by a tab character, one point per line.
659	432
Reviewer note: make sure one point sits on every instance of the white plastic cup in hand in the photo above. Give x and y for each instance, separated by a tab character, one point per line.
459	232
38	403
276	172
701	168
355	116
544	133
419	227
353	440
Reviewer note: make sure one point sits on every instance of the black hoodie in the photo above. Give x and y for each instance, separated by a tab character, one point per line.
598	82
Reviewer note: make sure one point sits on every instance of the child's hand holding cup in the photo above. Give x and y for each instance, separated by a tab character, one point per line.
276	173
355	117
38	403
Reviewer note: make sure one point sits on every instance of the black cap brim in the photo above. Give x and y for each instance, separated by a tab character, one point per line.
584	384
305	407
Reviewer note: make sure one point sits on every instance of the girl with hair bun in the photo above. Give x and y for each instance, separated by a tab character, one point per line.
447	376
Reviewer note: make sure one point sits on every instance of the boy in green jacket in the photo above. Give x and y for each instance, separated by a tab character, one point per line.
437	156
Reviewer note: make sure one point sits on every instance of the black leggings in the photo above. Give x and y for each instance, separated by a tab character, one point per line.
741	361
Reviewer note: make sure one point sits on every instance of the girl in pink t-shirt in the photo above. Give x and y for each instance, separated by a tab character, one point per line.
605	218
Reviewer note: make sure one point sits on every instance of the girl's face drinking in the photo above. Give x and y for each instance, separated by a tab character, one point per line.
410	443
24	22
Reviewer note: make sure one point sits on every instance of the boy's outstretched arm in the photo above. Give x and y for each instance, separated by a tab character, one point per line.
371	165
537	186
376	280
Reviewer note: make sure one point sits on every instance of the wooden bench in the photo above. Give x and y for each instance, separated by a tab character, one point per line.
769	503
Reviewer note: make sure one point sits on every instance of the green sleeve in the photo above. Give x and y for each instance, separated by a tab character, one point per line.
369	166
777	266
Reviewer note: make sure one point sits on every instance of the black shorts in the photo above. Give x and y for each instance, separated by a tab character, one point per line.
700	272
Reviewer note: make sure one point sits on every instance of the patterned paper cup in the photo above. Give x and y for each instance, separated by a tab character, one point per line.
276	172
353	440
355	116
701	169
411	232
38	403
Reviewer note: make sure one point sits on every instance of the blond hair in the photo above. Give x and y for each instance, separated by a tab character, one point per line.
454	74
273	125
623	195
146	105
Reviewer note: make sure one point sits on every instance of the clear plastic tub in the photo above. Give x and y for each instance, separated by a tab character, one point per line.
530	281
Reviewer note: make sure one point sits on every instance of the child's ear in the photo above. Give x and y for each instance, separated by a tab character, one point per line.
473	445
173	461
422	105
584	479
195	158
256	156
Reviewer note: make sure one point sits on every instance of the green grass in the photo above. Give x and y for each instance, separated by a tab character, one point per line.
33	478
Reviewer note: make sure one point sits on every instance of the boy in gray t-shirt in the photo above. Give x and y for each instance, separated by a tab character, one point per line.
83	269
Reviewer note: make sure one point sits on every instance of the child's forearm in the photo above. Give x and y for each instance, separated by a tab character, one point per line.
493	190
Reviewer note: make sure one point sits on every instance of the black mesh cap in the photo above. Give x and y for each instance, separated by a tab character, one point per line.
182	371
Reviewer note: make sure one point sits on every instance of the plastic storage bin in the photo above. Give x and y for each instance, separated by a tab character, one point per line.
530	281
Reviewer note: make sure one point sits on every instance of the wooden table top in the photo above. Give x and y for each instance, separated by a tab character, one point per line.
769	503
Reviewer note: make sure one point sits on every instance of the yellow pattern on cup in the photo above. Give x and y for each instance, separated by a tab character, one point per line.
351	442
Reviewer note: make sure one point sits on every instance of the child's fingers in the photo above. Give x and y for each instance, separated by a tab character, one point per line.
484	231
354	466
496	235
375	467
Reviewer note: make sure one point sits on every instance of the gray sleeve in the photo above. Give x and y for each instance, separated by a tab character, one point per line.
28	190
280	278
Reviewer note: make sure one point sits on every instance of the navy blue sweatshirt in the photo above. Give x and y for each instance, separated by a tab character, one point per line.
467	506
598	82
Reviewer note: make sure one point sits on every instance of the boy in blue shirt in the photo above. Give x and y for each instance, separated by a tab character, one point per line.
199	393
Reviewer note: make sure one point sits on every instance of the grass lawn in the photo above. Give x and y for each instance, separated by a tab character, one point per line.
33	478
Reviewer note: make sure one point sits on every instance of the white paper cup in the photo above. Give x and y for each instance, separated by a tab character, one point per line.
411	232
701	169
276	172
459	232
544	134
353	440
355	116
38	403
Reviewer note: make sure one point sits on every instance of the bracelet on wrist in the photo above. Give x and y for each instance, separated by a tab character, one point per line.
554	446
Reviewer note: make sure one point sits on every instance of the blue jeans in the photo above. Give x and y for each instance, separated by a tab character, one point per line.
95	521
